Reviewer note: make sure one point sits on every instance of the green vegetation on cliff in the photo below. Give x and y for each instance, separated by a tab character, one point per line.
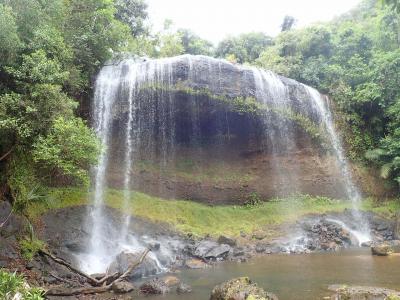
201	220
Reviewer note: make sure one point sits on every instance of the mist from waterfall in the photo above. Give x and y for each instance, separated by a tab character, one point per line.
140	91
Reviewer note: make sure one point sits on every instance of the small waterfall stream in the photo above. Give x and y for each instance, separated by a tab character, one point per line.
148	129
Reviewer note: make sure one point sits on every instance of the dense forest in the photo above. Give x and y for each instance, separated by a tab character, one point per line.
51	51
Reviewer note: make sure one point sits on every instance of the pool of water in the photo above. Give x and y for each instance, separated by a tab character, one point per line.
296	277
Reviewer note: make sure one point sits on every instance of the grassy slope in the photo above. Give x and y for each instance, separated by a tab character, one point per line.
200	219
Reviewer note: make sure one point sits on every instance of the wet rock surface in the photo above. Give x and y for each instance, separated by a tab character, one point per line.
343	292
382	249
11	228
125	259
241	288
154	286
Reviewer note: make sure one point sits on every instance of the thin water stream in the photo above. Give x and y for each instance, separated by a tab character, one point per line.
297	277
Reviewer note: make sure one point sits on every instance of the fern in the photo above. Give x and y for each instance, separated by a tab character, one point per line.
386	170
375	154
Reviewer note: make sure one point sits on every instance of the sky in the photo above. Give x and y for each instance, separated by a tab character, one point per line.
216	19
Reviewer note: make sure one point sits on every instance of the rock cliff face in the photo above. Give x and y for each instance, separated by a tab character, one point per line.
198	128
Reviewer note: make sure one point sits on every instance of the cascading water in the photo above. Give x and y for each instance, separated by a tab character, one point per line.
271	91
351	190
146	111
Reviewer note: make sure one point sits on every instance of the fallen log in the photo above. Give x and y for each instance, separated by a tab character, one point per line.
92	281
116	277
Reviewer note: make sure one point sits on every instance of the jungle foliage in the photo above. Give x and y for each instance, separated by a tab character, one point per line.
50	52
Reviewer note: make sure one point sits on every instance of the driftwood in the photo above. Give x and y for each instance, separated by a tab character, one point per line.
98	286
91	280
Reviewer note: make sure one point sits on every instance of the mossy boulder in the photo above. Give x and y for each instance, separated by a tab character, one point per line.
241	288
382	249
344	292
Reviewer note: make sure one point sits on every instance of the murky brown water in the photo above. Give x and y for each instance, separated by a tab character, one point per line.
297	277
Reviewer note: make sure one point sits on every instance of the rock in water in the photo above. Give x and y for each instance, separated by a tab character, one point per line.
383	249
183	288
211	250
343	292
195	264
126	259
171	280
154	286
240	289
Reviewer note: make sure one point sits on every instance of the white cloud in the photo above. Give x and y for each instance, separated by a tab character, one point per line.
215	19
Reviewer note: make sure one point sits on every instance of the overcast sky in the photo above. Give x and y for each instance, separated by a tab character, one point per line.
216	19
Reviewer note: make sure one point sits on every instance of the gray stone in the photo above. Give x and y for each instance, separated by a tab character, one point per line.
154	286
382	249
240	288
220	251
195	264
183	288
344	292
227	240
122	287
125	259
211	250
203	247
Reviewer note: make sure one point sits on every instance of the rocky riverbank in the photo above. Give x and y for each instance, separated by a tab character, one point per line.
65	234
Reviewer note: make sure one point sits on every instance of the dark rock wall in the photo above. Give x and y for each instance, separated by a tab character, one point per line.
201	131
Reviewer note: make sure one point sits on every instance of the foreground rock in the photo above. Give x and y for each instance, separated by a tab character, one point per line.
382	249
343	292
240	289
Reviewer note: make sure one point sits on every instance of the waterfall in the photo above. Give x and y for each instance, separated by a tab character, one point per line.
352	192
271	91
146	111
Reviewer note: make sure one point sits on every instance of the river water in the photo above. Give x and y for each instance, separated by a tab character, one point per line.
296	277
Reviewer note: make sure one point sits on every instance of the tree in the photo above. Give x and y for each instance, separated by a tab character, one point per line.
288	23
134	13
10	43
169	41
245	47
193	44
395	4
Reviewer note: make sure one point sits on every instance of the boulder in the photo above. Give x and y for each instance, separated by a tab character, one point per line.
382	249
183	288
227	240
240	289
154	286
396	229
343	292
171	280
202	248
261	247
218	252
122	287
259	235
12	225
195	264
211	250
125	259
